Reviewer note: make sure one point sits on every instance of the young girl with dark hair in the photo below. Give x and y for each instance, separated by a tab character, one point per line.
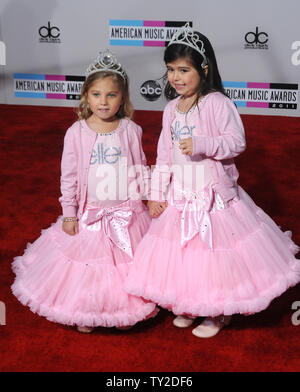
74	272
210	252
210	79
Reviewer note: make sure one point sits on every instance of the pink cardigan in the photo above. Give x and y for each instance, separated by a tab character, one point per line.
219	136
78	146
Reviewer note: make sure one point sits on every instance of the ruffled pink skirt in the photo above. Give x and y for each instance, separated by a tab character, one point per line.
79	280
251	263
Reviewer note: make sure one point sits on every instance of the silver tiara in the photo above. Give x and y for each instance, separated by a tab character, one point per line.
185	36
106	62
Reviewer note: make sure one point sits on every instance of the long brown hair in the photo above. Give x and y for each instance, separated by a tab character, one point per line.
126	108
210	82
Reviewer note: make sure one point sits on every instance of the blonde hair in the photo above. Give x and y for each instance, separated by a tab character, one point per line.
126	108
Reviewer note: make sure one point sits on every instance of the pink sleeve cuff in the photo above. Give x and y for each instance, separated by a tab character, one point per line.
199	145
69	211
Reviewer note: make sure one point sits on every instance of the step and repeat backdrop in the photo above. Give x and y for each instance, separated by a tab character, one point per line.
47	45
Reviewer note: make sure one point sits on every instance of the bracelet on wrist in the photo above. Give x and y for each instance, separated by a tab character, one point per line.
72	219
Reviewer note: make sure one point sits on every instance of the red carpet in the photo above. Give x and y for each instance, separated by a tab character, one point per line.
31	146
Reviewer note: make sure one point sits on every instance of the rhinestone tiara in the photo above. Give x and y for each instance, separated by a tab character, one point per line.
185	36
105	62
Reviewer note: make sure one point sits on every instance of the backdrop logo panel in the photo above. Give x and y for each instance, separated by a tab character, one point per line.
49	34
47	86
256	40
263	95
151	90
142	32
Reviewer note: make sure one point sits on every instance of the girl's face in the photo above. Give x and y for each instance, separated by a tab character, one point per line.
105	98
183	77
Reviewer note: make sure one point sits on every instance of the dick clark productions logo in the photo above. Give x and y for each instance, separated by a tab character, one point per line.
256	39
151	90
49	34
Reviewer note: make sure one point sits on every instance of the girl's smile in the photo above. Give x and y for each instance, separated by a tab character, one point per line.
183	77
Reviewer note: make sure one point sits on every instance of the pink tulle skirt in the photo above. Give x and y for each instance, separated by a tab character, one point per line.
251	263
79	280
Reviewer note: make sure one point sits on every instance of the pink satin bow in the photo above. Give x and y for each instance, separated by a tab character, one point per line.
114	221
195	218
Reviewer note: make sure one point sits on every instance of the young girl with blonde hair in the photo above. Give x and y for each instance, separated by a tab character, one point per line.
74	272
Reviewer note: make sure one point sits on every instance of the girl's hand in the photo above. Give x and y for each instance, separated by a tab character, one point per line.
70	228
156	207
186	146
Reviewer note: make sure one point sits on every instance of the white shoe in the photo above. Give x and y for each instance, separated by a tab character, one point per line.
85	329
211	326
183	321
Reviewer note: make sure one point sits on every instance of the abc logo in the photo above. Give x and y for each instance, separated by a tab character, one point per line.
151	90
256	37
49	32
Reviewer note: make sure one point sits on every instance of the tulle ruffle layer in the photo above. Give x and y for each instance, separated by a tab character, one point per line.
79	280
251	263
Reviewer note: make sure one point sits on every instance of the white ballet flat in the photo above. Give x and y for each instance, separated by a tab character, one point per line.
183	321
85	329
211	326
